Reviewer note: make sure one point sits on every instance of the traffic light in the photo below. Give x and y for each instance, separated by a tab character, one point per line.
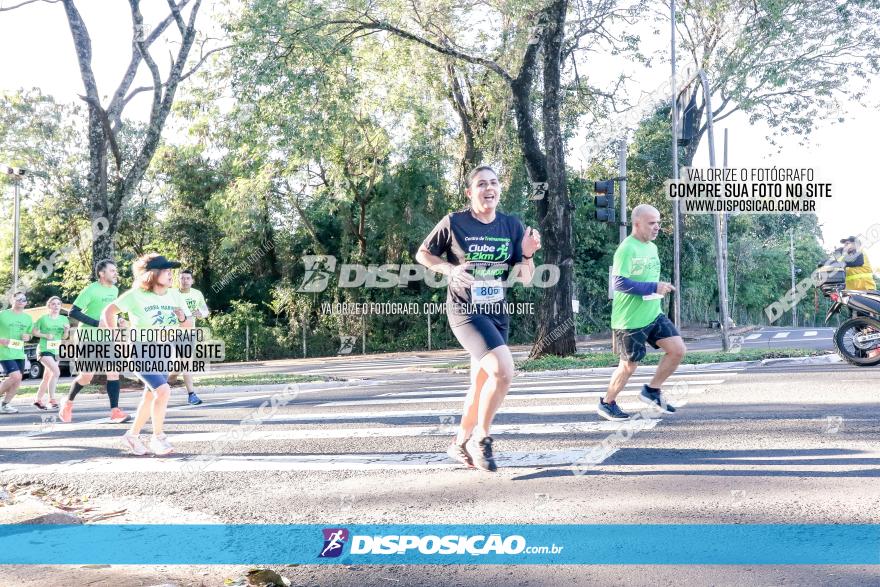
605	202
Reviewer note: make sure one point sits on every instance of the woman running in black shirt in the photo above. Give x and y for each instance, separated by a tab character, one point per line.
481	246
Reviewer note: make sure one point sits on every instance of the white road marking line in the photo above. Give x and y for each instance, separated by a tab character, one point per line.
523	385
385	432
600	392
456	411
329	462
565	379
811	333
753	336
62	427
781	335
814	339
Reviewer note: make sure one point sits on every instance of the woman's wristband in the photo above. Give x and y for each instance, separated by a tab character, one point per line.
527	256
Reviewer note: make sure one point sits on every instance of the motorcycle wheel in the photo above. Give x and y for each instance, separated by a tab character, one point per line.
846	345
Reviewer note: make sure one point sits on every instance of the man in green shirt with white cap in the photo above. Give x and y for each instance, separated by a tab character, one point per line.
15	330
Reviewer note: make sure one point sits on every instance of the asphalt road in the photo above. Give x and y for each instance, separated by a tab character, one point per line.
789	444
770	337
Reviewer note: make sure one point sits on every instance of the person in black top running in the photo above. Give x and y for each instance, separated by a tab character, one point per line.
481	246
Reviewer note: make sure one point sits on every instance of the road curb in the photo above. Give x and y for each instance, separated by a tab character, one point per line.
828	359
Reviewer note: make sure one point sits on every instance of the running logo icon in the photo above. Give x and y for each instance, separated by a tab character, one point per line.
334	541
319	269
346	345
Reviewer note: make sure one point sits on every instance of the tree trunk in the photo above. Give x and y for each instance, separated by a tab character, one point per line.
556	320
362	227
471	156
105	204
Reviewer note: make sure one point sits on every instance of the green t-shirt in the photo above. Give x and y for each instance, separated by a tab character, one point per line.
194	300
637	261
147	309
94	298
54	326
13	326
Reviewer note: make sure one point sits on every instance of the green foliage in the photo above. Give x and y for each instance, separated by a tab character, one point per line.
240	327
308	139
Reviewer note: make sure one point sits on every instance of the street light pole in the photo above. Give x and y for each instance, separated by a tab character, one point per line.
16	173
719	247
15	236
794	316
621	170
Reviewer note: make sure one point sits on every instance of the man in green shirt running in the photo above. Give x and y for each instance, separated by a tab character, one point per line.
87	308
15	329
195	303
636	317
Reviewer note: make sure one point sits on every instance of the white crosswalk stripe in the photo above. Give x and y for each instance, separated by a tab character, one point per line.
754	336
811	333
543	407
600	392
781	335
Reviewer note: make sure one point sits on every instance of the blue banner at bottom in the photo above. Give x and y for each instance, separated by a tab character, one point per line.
613	544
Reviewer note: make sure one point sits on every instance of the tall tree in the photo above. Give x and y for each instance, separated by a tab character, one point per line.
114	172
539	40
788	63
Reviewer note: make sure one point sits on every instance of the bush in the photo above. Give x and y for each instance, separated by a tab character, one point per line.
232	328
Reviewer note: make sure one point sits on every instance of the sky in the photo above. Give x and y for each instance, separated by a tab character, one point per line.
37	51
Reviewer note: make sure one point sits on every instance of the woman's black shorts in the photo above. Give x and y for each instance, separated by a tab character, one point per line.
479	333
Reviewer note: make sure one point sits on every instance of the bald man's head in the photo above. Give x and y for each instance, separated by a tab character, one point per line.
645	222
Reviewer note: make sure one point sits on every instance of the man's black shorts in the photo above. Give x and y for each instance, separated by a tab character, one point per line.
630	344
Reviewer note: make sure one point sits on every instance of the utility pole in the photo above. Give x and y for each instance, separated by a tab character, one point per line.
676	232
725	216
794	316
724	225
720	265
621	170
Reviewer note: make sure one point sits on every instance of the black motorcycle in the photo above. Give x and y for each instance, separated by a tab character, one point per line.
858	338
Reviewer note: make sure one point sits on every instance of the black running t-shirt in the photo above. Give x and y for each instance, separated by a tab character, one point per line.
490	250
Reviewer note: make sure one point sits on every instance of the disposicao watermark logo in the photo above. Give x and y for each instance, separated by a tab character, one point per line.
393	544
334	541
319	269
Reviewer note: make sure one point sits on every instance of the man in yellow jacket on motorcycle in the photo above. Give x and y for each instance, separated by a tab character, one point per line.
859	275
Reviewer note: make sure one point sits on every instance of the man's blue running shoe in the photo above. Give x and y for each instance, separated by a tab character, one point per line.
656	399
611	411
193	400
